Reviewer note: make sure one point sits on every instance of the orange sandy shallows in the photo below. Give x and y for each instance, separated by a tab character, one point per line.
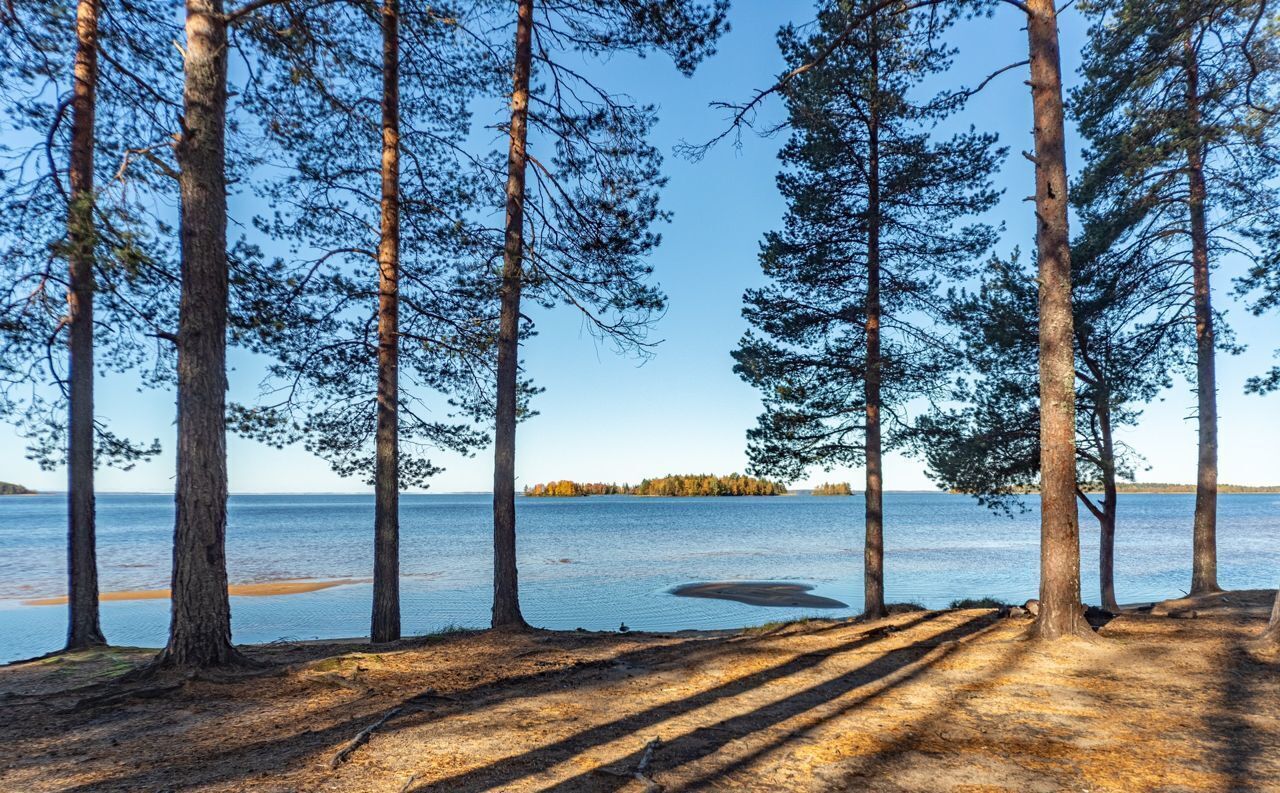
246	590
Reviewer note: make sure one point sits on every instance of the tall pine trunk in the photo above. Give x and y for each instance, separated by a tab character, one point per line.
1204	567
506	593
1060	612
200	626
83	628
873	551
1107	522
386	554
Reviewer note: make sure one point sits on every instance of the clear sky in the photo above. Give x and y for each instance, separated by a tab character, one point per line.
605	418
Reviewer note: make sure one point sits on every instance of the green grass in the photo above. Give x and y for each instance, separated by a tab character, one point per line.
978	603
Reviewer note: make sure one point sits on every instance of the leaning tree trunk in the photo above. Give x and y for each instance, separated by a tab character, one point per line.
83	628
386	553
506	592
873	551
1204	564
200	627
1060	612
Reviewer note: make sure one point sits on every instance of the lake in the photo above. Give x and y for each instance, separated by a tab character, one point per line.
595	562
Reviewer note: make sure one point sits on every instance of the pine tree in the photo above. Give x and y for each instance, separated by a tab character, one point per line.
873	223
1179	150
578	224
362	362
1129	334
75	204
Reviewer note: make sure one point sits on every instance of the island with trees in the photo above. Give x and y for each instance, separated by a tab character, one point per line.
669	485
833	489
10	489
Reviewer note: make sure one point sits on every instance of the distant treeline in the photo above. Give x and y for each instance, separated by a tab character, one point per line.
670	485
1154	487
833	489
10	489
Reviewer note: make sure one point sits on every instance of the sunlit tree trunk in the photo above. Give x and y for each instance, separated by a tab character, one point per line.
1204	568
83	628
1107	537
1272	633
873	552
386	561
1060	611
506	593
200	627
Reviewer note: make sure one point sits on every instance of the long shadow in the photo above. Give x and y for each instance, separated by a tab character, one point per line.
510	769
1237	739
284	752
882	757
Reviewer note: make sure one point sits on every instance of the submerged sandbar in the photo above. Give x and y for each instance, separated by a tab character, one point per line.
759	593
263	589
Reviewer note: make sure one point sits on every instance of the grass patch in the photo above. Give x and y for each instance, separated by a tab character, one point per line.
906	607
777	625
978	603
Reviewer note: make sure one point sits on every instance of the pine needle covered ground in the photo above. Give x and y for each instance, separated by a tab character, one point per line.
936	701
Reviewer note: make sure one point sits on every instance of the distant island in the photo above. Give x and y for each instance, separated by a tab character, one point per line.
670	485
10	489
833	489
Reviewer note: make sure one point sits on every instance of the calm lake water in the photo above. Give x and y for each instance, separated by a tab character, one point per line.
595	562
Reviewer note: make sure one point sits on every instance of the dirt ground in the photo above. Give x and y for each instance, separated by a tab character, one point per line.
926	701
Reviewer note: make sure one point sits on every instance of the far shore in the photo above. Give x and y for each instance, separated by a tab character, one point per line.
263	589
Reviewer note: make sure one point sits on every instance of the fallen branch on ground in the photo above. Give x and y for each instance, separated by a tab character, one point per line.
363	736
641	771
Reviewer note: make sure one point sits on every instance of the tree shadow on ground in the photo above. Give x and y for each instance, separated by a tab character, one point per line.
707	739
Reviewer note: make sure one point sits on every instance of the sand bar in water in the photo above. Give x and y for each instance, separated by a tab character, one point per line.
264	589
759	593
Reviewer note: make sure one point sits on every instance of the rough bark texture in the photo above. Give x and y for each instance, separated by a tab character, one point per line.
200	627
506	593
1060	612
1107	521
873	551
1204	568
1272	633
83	628
386	554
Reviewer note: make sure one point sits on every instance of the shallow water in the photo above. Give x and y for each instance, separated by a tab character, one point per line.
595	562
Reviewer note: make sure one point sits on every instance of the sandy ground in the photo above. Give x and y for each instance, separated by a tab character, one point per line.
926	701
262	589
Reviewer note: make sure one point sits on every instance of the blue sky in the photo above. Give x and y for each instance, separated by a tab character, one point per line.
606	418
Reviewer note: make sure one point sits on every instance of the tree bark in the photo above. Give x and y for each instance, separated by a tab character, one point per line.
1060	611
506	593
1271	634
200	626
1204	567
386	555
83	627
1110	506
873	551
